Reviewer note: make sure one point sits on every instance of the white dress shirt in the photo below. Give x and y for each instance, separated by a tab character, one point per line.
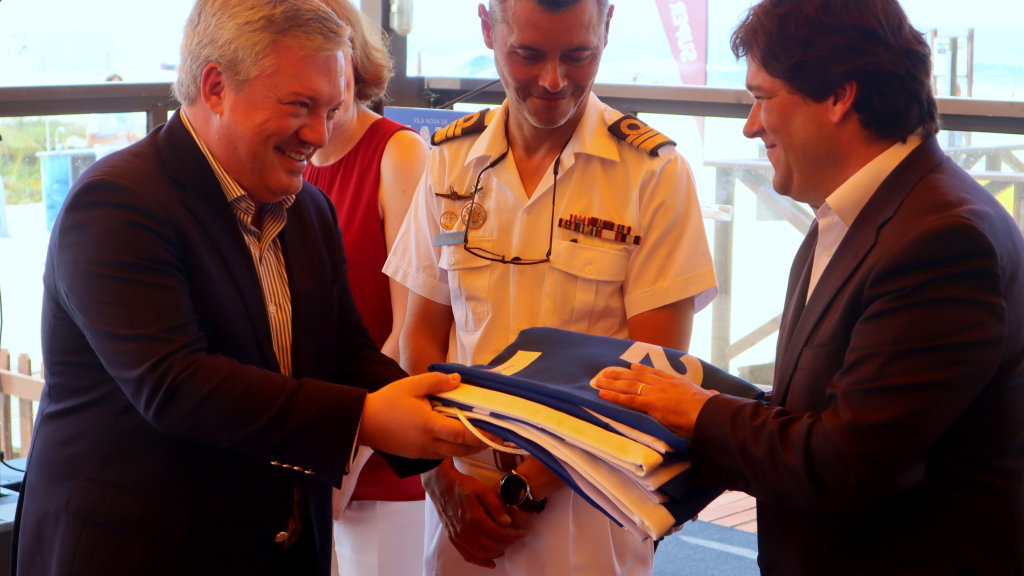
591	285
841	208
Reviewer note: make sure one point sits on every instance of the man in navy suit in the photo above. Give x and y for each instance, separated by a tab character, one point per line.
894	442
207	372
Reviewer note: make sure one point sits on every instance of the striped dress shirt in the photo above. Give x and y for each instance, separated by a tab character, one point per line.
269	259
266	253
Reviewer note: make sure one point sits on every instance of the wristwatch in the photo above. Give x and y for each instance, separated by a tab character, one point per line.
515	491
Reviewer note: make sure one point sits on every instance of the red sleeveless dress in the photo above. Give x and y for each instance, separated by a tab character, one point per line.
352	183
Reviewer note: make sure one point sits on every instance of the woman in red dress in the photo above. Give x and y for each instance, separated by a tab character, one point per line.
370	169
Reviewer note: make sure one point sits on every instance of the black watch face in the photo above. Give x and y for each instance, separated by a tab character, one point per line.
513	489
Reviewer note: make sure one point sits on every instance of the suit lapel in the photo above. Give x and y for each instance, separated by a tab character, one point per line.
304	245
204	197
796	298
857	243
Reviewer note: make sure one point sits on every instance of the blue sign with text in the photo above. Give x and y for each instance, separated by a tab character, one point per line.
426	121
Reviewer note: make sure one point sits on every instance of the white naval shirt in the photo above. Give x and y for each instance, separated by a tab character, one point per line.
592	285
843	206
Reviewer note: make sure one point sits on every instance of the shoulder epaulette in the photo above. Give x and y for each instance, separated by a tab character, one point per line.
473	124
633	131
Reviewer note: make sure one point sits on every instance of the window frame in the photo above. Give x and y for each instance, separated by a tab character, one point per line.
155	99
961	114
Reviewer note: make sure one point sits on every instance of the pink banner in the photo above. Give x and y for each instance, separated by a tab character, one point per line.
686	25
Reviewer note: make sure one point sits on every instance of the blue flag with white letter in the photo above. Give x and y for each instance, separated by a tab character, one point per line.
555	367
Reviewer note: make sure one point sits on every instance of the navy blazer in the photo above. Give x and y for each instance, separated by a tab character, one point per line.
895	439
167	441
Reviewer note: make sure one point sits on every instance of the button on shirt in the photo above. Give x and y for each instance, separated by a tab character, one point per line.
840	209
591	285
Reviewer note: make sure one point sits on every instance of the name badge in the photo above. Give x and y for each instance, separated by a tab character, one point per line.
450	238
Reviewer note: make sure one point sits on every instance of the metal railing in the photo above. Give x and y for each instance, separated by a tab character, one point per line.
153	99
961	114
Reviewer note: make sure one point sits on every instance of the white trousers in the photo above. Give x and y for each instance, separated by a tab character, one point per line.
379	539
569	538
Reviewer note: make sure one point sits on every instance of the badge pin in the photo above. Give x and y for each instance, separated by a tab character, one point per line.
449	219
474	216
454	196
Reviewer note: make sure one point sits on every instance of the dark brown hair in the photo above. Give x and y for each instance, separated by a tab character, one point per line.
816	46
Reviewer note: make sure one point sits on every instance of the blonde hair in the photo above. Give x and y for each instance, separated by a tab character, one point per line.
239	35
372	63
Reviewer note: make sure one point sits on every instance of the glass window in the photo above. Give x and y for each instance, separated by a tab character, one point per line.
990	64
48	42
754	251
40	158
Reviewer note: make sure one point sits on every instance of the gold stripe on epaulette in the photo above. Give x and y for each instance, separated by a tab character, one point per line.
473	124
633	131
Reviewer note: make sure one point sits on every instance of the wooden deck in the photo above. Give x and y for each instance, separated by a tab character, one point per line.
733	509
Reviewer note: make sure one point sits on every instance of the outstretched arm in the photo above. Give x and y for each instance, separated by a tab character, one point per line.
126	285
926	345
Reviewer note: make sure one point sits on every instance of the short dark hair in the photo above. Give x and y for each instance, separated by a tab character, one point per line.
816	46
556	6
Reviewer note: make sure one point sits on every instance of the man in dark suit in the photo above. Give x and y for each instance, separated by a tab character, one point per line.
894	442
207	371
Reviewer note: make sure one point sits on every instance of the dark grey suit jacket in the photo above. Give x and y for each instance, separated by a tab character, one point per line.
894	443
165	422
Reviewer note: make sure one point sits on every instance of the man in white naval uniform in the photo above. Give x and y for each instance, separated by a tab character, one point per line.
552	210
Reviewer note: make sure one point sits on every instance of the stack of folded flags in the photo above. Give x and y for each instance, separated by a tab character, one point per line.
537	396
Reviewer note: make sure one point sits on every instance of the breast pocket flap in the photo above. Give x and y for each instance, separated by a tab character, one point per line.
590	262
456	257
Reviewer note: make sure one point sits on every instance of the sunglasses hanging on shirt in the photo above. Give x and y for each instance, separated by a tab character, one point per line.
471	215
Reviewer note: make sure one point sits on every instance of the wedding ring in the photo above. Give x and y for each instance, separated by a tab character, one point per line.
640	390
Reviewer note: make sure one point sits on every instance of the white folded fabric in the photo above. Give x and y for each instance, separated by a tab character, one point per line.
617	486
633	434
662	474
607	505
627	454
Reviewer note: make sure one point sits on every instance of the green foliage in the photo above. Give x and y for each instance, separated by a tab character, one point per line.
22	138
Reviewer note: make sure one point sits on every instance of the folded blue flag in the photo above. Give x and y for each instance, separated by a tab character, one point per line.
555	367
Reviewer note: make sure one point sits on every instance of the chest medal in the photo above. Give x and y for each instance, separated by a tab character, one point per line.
449	219
474	216
600	228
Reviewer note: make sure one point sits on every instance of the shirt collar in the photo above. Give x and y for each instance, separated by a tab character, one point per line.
591	135
228	184
849	199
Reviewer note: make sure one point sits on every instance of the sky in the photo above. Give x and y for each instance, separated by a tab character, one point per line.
145	33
